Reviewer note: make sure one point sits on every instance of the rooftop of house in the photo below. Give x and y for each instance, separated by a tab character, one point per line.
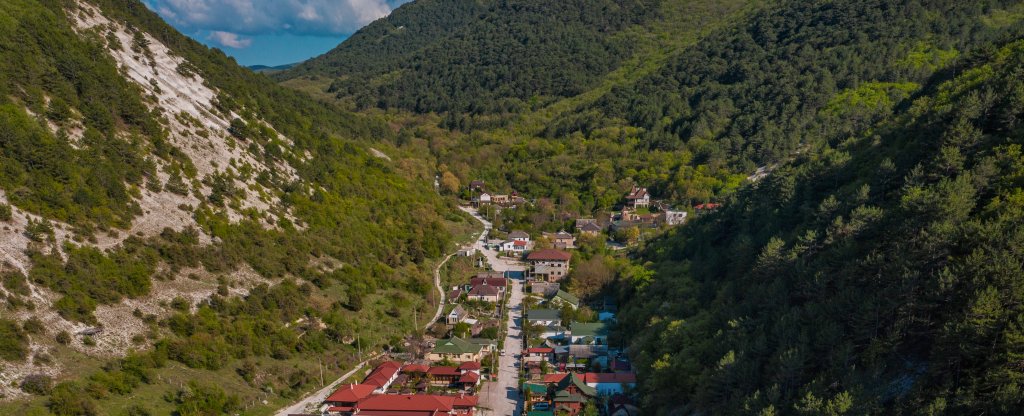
593	378
518	234
469	366
351	393
455	345
590	226
444	371
543	314
572	380
637	193
484	290
585	329
458	310
407	403
489	281
383	374
482	342
549	254
568	297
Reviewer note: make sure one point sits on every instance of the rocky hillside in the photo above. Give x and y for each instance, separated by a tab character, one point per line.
146	178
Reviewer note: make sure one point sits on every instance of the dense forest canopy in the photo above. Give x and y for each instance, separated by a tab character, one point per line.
880	277
470	56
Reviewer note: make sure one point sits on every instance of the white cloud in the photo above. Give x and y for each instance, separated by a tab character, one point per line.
252	17
230	40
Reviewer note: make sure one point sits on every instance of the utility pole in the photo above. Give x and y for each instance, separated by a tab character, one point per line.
320	365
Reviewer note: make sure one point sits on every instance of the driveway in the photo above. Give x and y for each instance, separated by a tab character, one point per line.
501	397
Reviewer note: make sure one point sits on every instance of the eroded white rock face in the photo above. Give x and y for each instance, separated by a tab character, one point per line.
201	132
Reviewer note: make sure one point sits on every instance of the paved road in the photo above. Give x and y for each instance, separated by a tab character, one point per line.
501	397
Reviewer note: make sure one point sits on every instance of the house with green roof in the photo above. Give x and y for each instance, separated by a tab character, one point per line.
455	349
565	298
572	394
546	317
587	333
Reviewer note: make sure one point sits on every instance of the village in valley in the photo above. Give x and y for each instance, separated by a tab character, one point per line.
525	328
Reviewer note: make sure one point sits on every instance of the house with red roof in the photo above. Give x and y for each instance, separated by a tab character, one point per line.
638	197
610	383
382	376
538	354
345	398
485	293
549	264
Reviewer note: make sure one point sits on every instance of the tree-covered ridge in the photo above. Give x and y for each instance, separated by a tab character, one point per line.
752	94
469	56
882	277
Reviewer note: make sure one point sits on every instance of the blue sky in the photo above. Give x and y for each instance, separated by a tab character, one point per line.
271	32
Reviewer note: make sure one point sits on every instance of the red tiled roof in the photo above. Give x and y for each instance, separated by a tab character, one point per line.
415	368
708	206
539	350
609	378
383	373
519	243
469	377
637	193
444	371
407	403
549	254
484	290
455	294
350	393
469	366
489	281
466	401
339	409
554	378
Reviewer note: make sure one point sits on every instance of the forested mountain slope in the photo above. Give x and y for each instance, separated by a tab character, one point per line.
472	56
882	276
196	212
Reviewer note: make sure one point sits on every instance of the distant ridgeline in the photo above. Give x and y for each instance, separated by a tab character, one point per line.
479	56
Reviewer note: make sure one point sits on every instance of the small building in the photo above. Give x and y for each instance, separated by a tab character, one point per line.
382	376
638	197
476	185
485	293
345	398
544	288
455	294
590	228
486	345
607	384
484	199
588	333
561	240
519	235
673	218
457	315
545	317
565	298
707	207
538	354
455	349
493	279
514	246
